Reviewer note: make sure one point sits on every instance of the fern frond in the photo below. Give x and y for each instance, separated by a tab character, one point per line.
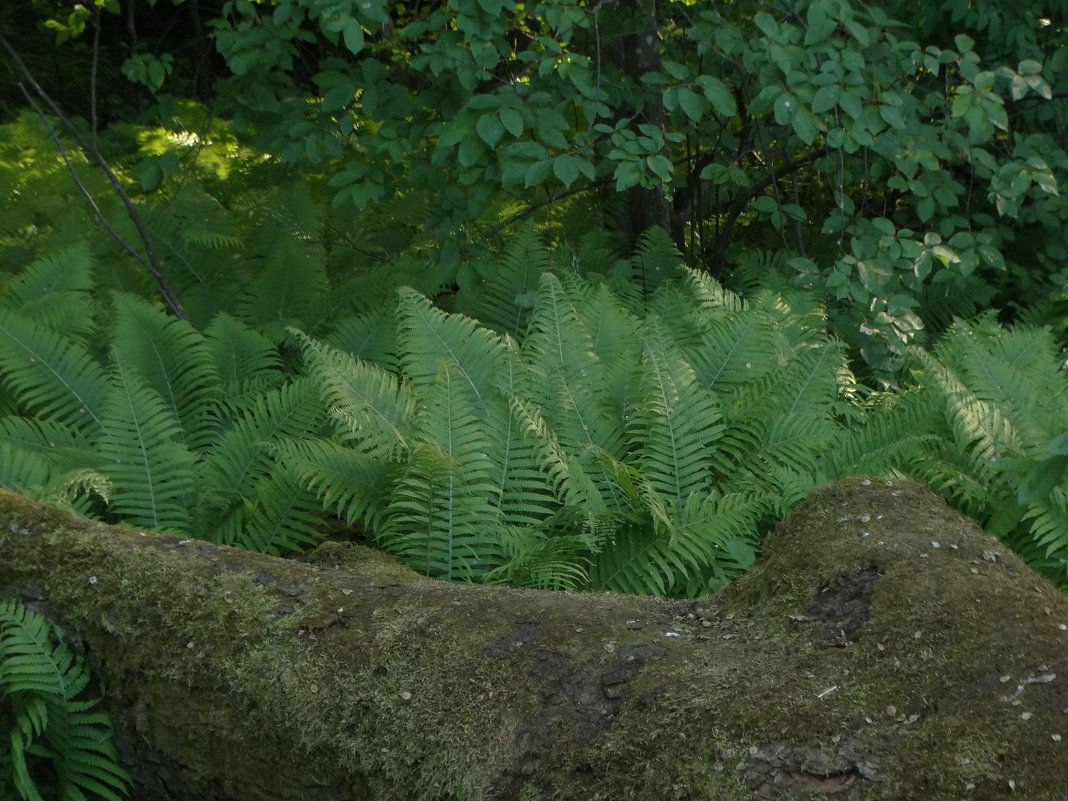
174	359
50	376
1048	528
612	328
430	338
896	433
642	562
371	337
351	483
1013	370
151	473
656	259
505	296
376	410
735	349
439	521
712	297
567	380
280	514
977	423
245	454
711	540
675	423
41	681
53	290
289	290
22	471
542	562
246	361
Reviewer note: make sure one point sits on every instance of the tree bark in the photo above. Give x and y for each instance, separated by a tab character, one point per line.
884	648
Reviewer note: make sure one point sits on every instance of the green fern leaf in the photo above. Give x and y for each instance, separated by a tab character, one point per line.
50	376
656	259
246	362
371	337
429	338
440	520
352	483
41	681
149	470
22	471
54	289
675	423
245	455
291	289
375	409
978	424
173	358
281	514
505	296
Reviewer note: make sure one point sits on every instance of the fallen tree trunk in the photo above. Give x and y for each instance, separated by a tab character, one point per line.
884	648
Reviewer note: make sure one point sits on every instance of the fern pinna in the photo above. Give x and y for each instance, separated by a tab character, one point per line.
41	689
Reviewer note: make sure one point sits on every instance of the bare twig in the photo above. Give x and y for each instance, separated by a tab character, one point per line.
149	259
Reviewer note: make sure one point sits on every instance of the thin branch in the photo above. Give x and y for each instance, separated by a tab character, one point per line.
744	195
522	215
150	261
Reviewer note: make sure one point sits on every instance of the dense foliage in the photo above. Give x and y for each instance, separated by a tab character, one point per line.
904	158
557	294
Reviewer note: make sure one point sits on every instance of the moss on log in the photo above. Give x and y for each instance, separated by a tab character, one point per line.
883	648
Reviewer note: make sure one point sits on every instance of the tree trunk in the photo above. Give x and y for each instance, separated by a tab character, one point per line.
884	648
635	54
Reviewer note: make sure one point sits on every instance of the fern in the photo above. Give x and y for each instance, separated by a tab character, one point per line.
505	295
175	360
375	408
54	289
675	422
241	466
150	470
246	361
41	683
1004	459
656	259
50	376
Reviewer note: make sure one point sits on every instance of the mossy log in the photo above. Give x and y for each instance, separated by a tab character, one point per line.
883	648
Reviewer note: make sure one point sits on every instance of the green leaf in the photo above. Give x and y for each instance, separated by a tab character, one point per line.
661	167
512	121
353	34
471	151
965	43
566	169
851	103
718	95
490	128
538	172
820	24
338	97
692	103
786	108
826	98
806	126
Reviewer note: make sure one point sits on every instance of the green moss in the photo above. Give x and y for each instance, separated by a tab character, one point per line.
354	672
